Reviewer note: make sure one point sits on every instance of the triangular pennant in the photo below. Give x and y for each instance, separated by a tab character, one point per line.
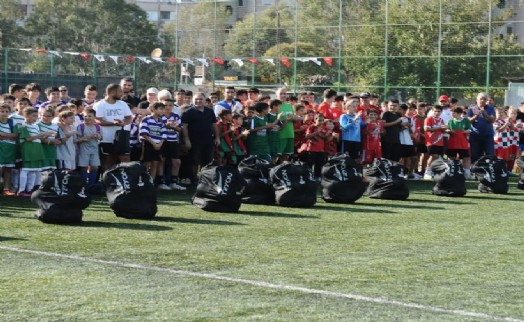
189	61
238	61
54	52
41	51
130	59
219	61
142	58
203	61
25	49
302	59
172	60
253	60
85	57
285	61
270	60
114	58
99	57
74	53
315	60
328	60
158	59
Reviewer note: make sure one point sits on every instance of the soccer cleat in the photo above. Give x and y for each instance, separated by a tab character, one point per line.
175	186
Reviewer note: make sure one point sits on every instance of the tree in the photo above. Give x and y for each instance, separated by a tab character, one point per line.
10	13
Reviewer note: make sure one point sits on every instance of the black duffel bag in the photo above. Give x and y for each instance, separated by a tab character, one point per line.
258	184
448	176
219	188
520	164
386	180
294	185
130	191
492	174
61	197
342	180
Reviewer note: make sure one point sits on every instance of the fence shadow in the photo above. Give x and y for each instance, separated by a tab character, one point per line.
197	221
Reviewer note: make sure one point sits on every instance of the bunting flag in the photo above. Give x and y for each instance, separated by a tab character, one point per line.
86	57
41	51
238	61
158	59
56	53
99	57
114	58
25	49
74	53
172	60
253	60
203	61
130	59
144	59
315	60
270	60
302	59
286	62
189	61
184	71
220	61
328	60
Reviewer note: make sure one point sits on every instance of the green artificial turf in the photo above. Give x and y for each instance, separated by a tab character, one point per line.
451	253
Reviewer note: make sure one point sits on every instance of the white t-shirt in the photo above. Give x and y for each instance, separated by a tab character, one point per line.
111	112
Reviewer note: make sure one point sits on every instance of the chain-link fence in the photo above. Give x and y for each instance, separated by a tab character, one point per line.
398	48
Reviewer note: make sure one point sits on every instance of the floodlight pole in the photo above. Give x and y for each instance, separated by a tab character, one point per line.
488	55
339	44
386	37
439	58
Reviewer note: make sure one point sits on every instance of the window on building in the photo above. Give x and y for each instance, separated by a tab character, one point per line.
229	10
152	15
268	2
165	15
240	3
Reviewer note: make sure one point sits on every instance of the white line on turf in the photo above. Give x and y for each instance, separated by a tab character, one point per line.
355	297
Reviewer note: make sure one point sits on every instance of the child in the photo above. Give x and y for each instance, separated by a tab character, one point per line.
407	149
135	146
332	138
273	137
434	128
171	148
257	142
459	128
316	135
391	140
239	136
152	136
7	147
88	136
225	149
419	138
506	136
18	118
49	143
66	148
31	151
374	130
351	124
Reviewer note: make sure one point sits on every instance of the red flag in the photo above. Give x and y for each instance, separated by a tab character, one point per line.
328	60
285	61
172	59
85	57
129	58
41	51
253	60
218	61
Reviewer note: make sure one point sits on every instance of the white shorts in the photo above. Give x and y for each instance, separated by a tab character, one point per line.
67	164
85	160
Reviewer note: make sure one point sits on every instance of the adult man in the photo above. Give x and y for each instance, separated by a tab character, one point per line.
365	105
151	97
253	96
481	117
127	86
520	125
214	98
112	114
201	133
64	93
228	103
446	114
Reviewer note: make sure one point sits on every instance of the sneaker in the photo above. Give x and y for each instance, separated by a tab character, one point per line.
164	187
23	194
185	181
175	186
428	176
8	192
469	176
511	174
416	176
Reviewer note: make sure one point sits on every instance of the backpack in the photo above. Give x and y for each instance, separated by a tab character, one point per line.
386	180
342	180
83	127
448	176
294	185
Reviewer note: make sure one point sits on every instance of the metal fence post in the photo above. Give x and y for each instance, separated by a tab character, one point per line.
6	68
488	54
439	54
386	51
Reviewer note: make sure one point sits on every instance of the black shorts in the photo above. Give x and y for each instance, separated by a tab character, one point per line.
462	153
149	153
434	149
352	148
407	151
107	149
422	148
171	150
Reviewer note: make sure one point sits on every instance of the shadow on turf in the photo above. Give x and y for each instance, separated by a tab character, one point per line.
2	238
121	225
401	204
276	214
350	208
196	221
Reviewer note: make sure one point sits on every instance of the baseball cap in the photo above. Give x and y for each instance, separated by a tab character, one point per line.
365	95
443	98
152	90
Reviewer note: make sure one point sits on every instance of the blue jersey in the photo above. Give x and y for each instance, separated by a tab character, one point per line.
155	129
171	134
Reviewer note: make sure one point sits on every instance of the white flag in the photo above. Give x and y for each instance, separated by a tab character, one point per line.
184	71
99	57
25	49
189	61
114	58
203	61
302	59
144	59
74	53
158	59
54	52
315	60
271	61
238	61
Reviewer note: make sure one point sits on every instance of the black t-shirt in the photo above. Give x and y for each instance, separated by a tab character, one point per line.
200	125
392	134
143	105
520	116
